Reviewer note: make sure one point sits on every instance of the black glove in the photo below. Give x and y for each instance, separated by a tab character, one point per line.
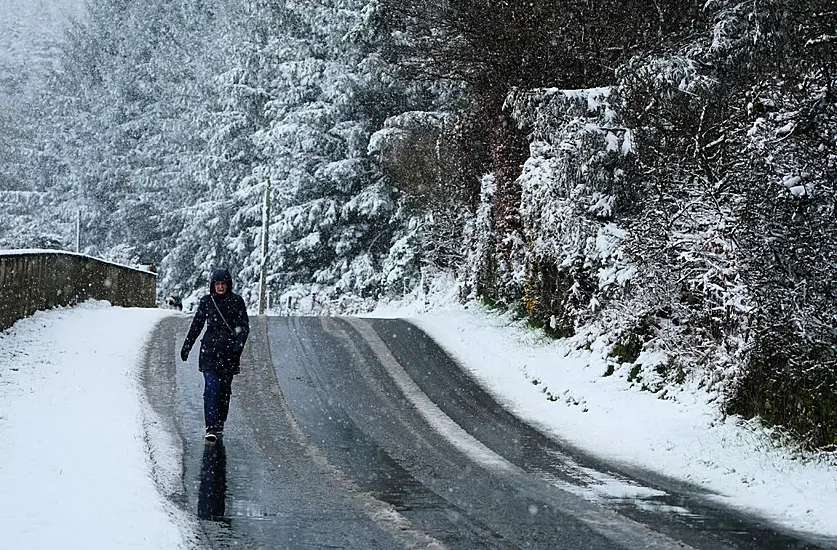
184	353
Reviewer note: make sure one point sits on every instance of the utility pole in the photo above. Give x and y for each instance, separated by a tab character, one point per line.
78	230
265	231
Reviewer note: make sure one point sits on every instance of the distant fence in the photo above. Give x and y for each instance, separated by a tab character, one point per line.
38	280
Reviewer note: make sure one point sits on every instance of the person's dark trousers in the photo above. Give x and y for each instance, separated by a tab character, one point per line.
216	399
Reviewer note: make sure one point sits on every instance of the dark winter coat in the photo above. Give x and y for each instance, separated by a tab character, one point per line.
223	342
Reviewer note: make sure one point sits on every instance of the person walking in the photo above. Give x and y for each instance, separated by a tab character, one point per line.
227	327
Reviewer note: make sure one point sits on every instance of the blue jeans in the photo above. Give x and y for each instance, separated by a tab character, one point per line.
216	399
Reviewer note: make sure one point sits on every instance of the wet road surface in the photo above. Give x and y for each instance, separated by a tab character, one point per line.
362	433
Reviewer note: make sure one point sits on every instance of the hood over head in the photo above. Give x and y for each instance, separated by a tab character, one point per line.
220	275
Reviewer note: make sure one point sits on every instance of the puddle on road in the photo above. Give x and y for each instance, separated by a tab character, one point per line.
212	487
213	502
249	509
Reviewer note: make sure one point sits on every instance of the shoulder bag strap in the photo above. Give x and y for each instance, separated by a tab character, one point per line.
222	315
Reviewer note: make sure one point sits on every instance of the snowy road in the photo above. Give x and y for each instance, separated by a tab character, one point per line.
362	433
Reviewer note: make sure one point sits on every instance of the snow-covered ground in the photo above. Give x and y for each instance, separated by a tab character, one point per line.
75	470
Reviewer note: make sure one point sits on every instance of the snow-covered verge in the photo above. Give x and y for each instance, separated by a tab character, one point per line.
75	471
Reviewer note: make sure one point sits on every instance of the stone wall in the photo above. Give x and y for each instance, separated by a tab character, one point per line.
38	280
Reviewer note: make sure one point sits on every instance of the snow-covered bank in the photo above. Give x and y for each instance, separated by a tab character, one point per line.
74	471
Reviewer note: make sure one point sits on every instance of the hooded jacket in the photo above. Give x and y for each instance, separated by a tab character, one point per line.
227	328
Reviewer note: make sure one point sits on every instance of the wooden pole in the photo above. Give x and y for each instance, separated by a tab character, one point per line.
265	231
78	230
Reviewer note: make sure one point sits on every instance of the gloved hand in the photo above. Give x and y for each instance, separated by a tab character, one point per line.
184	353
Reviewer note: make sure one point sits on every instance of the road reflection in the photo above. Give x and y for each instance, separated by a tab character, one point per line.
212	492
